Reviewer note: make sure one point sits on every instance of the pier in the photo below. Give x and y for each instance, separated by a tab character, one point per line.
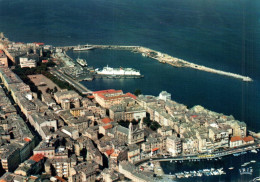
165	58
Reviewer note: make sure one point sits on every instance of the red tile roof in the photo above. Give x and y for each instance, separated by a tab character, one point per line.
37	157
106	120
60	179
103	95
107	126
109	152
38	43
194	116
155	149
114	154
133	155
27	139
235	138
248	139
110	91
131	95
91	97
34	177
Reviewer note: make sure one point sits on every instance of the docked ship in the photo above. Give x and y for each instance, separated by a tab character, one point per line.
119	72
83	48
81	62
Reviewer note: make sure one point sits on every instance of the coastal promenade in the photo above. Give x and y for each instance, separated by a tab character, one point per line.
165	58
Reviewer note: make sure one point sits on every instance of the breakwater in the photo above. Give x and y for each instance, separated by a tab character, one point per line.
165	58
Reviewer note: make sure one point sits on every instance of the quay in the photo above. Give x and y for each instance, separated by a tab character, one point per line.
198	157
165	58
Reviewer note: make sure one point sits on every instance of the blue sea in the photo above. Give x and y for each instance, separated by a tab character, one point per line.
216	33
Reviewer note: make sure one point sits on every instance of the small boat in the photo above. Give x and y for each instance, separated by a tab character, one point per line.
253	151
199	174
237	154
245	164
231	168
252	161
81	62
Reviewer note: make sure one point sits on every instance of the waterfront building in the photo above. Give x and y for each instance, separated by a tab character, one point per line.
239	128
235	141
173	145
165	96
131	172
248	140
219	137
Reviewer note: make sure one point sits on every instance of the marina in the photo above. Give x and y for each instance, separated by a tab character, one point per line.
199	173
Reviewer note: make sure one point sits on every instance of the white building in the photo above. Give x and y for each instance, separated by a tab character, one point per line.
165	96
24	62
235	141
173	145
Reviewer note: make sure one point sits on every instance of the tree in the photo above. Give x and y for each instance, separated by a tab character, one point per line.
55	89
155	125
137	92
48	90
147	121
39	94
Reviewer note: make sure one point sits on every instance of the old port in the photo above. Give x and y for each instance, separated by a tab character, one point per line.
165	58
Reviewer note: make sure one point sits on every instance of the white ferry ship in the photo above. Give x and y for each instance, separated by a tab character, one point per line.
81	62
118	71
83	48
